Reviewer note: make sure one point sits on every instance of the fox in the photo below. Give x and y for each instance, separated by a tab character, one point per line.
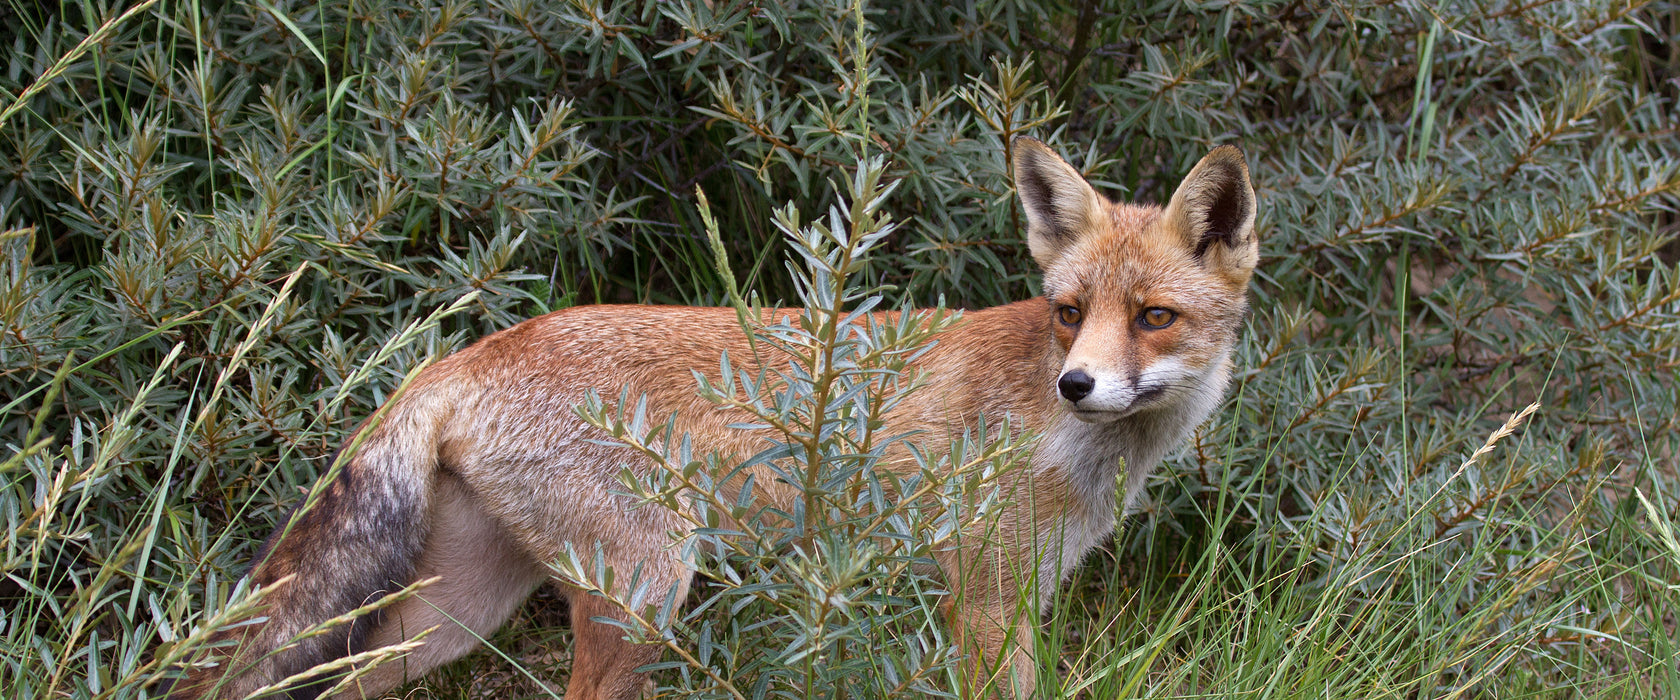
481	470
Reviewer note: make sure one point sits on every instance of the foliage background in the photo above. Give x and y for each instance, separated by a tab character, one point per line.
1465	208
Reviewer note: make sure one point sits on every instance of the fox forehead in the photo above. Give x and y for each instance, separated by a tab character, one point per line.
1136	261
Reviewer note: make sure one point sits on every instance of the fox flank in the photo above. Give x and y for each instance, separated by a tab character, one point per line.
482	471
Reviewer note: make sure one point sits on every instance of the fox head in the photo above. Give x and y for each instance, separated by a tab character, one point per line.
1146	301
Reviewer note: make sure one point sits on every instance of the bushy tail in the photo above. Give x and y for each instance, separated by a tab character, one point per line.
359	541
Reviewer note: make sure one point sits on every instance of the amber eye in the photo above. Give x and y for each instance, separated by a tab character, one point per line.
1069	315
1157	318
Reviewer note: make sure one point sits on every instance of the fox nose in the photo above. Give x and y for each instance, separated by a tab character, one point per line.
1076	385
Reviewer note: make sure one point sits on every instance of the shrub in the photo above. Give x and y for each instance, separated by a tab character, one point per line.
229	229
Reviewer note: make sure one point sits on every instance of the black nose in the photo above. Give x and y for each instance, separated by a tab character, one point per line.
1076	385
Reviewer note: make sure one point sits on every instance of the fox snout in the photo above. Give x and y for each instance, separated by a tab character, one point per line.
1102	397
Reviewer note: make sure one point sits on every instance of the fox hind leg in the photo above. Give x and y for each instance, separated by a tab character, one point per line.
604	663
486	573
485	576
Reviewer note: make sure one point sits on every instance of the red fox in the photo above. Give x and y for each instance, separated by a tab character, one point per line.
482	471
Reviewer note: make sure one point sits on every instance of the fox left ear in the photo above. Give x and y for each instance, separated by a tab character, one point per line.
1213	212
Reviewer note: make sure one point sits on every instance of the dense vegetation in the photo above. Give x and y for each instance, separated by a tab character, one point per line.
229	229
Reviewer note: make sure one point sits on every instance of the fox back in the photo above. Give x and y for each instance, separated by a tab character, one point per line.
482	470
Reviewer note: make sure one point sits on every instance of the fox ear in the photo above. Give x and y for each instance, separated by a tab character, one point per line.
1059	203
1213	212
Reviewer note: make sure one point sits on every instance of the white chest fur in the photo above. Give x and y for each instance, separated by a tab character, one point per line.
1088	457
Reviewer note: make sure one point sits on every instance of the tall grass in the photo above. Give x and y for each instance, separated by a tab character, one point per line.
229	230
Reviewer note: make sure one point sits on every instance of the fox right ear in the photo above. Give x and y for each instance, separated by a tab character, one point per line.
1060	205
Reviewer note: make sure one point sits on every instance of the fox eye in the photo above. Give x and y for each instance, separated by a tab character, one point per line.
1069	315
1156	318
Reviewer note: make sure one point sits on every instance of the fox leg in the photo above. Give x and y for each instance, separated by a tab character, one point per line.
994	618
484	577
603	663
999	648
